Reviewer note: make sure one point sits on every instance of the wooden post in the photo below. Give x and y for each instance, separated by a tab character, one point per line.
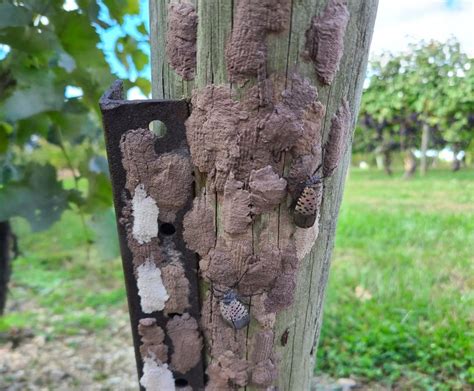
257	68
6	240
425	140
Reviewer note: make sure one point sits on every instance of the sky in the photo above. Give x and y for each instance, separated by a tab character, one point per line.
400	22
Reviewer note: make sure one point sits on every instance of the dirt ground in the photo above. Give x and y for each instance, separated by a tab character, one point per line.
99	361
91	361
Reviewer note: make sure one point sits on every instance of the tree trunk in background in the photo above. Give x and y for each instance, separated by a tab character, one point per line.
387	162
425	140
5	261
296	330
383	155
456	164
409	162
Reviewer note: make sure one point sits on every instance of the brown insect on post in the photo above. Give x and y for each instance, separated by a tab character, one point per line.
308	203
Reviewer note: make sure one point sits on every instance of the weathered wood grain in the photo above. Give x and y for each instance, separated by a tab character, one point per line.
301	323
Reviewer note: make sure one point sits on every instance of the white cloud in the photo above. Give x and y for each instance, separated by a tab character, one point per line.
407	21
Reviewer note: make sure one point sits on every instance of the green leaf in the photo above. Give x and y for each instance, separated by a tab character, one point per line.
39	197
29	40
99	195
99	165
38	124
141	28
92	9
119	8
5	131
73	126
144	85
75	106
67	62
140	59
79	39
8	172
11	15
105	232
40	97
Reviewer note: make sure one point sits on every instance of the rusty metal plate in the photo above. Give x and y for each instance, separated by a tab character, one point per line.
120	116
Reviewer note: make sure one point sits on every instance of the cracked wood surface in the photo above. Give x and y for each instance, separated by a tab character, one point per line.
300	324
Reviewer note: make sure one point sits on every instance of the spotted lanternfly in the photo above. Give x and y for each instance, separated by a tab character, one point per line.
308	203
233	310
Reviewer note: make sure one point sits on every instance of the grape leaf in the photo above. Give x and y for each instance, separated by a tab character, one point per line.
38	197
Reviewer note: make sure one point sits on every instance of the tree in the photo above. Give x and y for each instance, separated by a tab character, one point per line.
456	118
7	251
52	74
420	97
272	84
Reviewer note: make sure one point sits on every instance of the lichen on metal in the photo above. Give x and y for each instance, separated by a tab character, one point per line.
152	185
151	290
156	376
145	215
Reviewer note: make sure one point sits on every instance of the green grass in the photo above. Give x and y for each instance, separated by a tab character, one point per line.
399	305
60	285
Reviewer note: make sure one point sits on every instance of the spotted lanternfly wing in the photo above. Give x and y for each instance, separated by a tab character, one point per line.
307	205
235	313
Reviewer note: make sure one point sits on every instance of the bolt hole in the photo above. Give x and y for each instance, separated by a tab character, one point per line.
167	229
181	383
158	128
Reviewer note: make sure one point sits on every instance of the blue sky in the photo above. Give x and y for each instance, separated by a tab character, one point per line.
400	22
109	36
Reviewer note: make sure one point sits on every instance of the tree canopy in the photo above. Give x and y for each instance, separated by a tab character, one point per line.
431	83
53	70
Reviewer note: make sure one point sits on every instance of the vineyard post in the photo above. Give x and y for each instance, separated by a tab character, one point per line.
228	220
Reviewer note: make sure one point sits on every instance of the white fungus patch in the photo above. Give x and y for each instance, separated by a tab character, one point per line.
151	290
145	216
156	376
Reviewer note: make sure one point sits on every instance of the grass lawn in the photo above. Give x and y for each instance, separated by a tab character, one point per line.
399	306
60	285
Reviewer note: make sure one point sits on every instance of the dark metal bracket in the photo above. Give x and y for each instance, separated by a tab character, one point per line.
119	116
